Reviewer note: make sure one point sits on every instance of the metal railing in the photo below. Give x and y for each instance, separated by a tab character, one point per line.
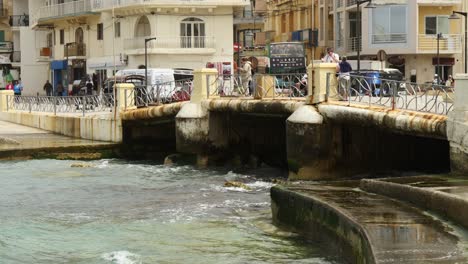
161	93
171	42
107	4
448	43
6	46
371	91
16	56
354	44
74	49
262	85
61	104
19	21
60	10
388	38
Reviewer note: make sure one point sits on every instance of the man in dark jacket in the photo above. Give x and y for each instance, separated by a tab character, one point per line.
48	88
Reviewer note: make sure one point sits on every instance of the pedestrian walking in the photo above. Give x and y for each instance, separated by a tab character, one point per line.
48	88
89	87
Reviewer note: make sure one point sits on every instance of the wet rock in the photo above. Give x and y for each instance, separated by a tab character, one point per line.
237	185
81	165
79	156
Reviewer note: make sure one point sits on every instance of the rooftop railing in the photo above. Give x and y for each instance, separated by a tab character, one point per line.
62	10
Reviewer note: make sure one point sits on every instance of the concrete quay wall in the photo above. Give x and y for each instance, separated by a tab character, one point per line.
322	222
92	127
442	203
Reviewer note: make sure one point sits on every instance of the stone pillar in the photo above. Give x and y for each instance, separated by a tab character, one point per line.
307	145
265	86
125	97
317	88
457	126
204	85
4	95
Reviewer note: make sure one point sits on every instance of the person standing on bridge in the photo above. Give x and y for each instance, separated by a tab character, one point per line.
48	88
246	75
331	57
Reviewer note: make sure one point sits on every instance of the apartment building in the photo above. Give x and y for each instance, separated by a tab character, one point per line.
86	37
248	23
293	20
407	30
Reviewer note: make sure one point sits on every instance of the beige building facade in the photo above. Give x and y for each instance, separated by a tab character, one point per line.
86	37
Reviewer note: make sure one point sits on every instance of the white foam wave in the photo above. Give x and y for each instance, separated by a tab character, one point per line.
104	164
122	257
260	185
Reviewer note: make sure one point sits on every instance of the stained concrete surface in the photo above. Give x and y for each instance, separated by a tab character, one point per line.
18	137
398	233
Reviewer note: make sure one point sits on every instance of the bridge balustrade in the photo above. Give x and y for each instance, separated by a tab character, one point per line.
394	94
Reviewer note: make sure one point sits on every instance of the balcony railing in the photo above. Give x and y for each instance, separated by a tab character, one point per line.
354	43
6	46
16	56
61	10
350	2
450	43
74	49
388	38
171	43
108	4
19	21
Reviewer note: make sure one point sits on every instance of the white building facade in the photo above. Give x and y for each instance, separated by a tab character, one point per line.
86	37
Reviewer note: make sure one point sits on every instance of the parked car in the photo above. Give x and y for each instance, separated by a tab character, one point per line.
137	80
376	81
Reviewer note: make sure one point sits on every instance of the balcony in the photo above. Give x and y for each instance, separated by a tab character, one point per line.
74	49
109	4
353	44
439	2
19	21
388	38
16	57
173	45
449	44
74	8
246	17
6	46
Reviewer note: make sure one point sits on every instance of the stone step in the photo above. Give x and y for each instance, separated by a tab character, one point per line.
371	228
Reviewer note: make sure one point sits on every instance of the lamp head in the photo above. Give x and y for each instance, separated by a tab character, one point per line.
454	16
370	4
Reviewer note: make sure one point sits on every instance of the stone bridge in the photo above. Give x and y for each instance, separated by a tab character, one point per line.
315	138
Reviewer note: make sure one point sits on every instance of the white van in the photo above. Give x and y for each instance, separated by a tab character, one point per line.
163	83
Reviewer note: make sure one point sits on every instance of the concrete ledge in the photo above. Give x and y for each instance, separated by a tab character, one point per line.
264	106
322	221
166	110
93	127
405	122
446	204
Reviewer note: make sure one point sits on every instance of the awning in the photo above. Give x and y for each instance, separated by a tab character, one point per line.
58	65
105	62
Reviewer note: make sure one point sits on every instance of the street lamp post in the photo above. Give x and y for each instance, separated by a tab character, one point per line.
146	60
454	16
358	28
439	36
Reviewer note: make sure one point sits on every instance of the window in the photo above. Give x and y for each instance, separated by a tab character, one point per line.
79	35
117	29
436	24
192	33
143	27
62	36
100	31
389	24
